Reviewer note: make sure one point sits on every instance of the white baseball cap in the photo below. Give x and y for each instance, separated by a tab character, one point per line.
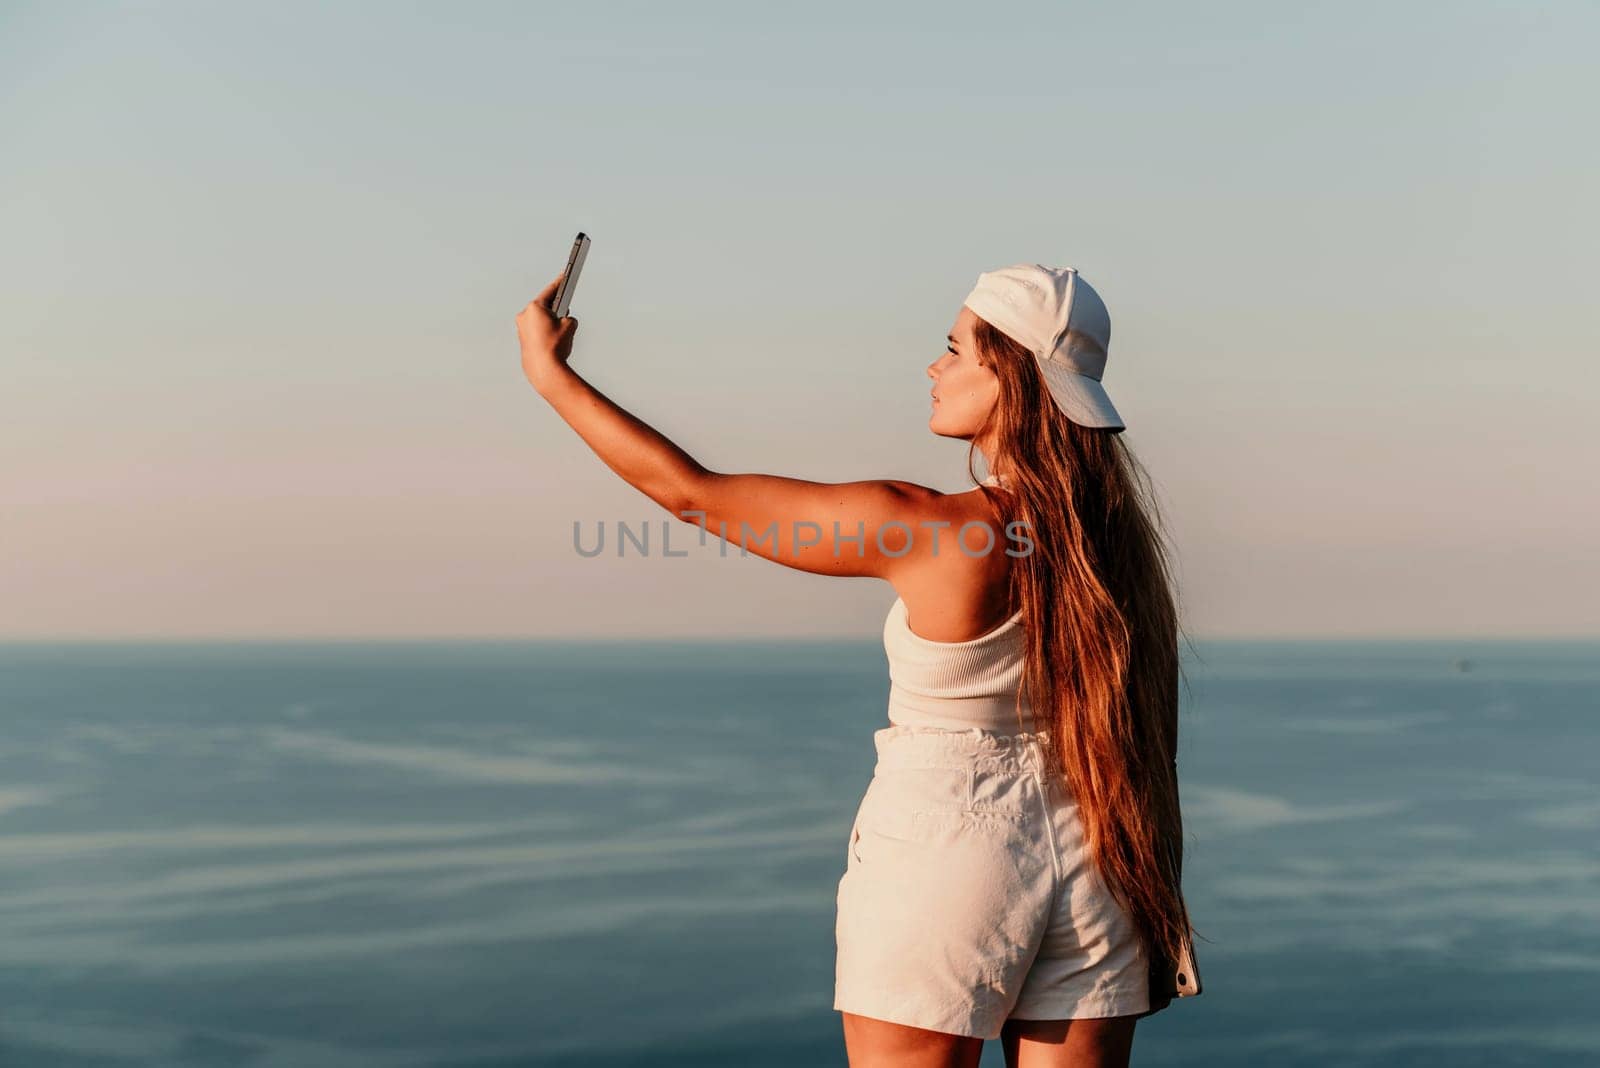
1056	315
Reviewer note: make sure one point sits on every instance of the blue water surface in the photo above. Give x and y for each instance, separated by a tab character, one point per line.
498	854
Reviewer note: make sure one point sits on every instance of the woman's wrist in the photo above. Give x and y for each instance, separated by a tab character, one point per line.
551	379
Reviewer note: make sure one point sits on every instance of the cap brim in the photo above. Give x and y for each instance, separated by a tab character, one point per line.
1083	399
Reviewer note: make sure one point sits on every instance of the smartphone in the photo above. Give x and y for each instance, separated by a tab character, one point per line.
569	277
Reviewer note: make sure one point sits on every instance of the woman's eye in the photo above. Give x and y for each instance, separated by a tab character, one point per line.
950	350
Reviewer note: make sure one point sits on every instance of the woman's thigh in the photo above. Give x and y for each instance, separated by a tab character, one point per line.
1090	1043
871	1043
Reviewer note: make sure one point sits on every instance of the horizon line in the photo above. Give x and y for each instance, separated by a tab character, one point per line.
601	639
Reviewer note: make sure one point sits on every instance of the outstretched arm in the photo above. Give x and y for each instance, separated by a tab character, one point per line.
870	528
875	528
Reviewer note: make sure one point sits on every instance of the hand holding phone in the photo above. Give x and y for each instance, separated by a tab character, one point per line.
569	277
544	329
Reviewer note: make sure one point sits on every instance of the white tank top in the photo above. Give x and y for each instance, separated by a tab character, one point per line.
956	685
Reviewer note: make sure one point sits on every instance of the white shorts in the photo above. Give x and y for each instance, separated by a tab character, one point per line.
968	897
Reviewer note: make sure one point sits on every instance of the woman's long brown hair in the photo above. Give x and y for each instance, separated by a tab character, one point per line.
1102	666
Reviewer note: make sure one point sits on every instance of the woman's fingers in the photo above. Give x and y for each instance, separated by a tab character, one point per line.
544	299
549	291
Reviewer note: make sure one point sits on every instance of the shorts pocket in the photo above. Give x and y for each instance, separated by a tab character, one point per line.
855	824
1003	792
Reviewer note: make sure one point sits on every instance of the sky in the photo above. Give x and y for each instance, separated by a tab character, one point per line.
259	263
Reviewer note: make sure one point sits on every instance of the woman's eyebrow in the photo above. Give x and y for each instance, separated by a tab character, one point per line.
951	338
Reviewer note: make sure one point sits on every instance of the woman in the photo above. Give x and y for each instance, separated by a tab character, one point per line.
1014	870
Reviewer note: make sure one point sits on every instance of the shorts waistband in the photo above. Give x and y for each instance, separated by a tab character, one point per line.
917	746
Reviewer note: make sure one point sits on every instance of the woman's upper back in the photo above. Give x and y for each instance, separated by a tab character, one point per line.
962	592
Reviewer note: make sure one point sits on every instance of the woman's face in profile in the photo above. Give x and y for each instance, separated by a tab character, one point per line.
964	391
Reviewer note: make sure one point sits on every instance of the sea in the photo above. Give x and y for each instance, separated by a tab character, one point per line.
486	855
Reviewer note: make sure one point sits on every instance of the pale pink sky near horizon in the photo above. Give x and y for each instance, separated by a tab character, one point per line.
259	377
